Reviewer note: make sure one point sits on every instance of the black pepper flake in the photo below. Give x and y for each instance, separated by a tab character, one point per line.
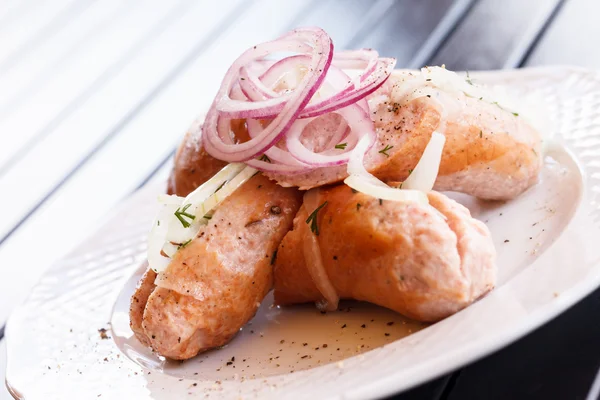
276	210
304	356
282	341
194	384
304	344
335	257
506	240
325	346
343	326
387	334
229	363
363	326
103	334
390	323
358	206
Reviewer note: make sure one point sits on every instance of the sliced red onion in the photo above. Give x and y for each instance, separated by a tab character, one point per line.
252	90
356	59
258	89
217	146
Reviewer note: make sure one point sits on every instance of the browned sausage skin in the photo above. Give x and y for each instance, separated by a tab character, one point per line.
490	152
138	303
215	284
193	165
423	261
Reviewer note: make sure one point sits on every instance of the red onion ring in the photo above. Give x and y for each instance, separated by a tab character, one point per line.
217	146
252	90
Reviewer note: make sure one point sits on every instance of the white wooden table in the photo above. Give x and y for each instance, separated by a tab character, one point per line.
95	94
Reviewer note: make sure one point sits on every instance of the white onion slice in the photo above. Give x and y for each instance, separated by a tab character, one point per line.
314	260
361	180
169	232
426	171
158	234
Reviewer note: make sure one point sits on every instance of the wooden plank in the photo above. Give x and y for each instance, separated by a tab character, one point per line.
423	22
80	133
341	19
28	74
43	19
127	157
557	361
495	34
85	128
85	72
572	38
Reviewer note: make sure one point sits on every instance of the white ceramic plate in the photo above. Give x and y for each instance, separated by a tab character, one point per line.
549	258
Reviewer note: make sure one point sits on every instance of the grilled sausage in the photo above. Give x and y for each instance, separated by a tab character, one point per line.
215	284
423	261
138	304
490	152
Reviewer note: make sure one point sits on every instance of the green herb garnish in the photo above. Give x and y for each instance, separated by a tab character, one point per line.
341	146
385	150
181	214
182	245
312	219
468	80
221	186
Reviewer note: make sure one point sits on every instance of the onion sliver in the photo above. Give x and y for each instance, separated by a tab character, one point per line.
426	171
361	180
313	258
180	219
157	237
